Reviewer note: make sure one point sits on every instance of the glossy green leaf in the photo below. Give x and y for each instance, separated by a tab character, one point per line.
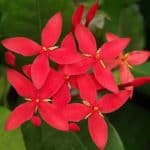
52	139
132	123
28	17
127	2
140	71
4	86
131	24
114	140
9	140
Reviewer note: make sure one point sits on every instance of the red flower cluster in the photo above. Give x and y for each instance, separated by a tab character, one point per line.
84	67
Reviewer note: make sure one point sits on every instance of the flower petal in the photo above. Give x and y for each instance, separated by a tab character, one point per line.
54	81
52	30
138	57
76	112
27	70
53	117
69	43
110	50
62	96
77	16
112	102
23	86
79	67
125	74
36	121
105	77
73	82
98	86
86	40
10	58
110	36
65	56
74	127
91	13
87	88
40	70
19	115
140	81
21	45
98	130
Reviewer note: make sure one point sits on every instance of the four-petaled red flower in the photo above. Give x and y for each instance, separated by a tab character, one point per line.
49	37
37	101
127	61
94	109
97	58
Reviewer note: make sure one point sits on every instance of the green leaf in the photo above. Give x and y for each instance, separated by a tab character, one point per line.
131	24
129	1
32	136
113	10
12	140
114	141
28	17
132	123
140	71
125	21
52	139
5	86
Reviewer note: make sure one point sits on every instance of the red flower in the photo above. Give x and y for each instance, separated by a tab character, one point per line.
78	15
49	37
93	109
38	100
97	58
127	61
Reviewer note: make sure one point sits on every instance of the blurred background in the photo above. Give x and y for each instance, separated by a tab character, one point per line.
129	18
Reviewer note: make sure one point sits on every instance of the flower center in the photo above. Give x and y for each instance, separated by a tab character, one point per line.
124	60
98	57
94	109
67	77
37	100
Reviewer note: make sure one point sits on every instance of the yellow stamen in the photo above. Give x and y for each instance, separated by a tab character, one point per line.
88	115
98	51
86	103
87	55
47	100
28	99
36	109
44	49
102	63
129	66
52	48
100	114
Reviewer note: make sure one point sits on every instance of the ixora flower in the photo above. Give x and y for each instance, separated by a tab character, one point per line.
127	61
78	15
97	58
94	109
49	36
37	102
